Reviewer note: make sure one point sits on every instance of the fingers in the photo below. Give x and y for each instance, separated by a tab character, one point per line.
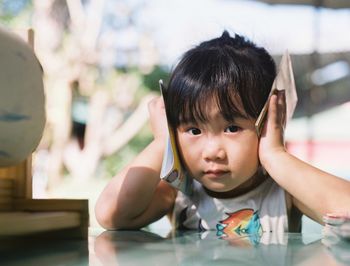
272	111
156	104
281	108
276	116
158	121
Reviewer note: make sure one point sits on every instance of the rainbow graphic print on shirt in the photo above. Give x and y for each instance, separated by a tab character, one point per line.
245	222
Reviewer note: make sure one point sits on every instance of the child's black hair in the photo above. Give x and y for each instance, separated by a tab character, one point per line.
229	70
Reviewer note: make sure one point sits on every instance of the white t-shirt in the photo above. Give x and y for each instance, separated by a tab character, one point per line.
260	210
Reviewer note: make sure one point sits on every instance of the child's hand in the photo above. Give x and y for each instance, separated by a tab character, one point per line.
158	120
272	137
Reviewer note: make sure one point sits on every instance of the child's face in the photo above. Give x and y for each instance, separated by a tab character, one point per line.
219	154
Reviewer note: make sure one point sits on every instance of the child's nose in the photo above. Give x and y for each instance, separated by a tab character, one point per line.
213	150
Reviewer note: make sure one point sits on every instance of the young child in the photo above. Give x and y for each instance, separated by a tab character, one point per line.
242	184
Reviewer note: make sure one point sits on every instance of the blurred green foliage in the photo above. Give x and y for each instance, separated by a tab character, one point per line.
114	163
15	12
19	14
151	80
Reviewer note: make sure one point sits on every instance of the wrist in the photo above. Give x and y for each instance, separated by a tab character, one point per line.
159	143
271	158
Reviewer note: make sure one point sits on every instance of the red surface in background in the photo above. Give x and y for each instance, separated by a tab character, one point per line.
331	153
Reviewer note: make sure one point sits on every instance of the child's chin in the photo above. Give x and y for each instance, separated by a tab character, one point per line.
219	188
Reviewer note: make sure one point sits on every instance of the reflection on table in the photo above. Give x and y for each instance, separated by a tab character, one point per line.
28	251
192	248
178	248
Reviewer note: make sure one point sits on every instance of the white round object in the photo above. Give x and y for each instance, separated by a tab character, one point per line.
22	101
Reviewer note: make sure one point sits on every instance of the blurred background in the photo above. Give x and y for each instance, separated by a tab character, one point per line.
102	60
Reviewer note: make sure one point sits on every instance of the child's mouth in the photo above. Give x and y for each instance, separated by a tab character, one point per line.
215	173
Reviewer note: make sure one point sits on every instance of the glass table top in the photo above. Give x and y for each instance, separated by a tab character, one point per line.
178	248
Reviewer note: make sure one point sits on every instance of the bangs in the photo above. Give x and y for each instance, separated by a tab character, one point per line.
196	107
232	74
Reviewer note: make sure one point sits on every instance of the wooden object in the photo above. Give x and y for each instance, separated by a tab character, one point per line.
283	81
172	170
21	215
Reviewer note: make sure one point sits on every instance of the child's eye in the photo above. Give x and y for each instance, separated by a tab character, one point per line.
194	131
232	129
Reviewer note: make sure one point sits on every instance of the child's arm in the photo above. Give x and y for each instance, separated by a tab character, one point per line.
314	192
136	196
